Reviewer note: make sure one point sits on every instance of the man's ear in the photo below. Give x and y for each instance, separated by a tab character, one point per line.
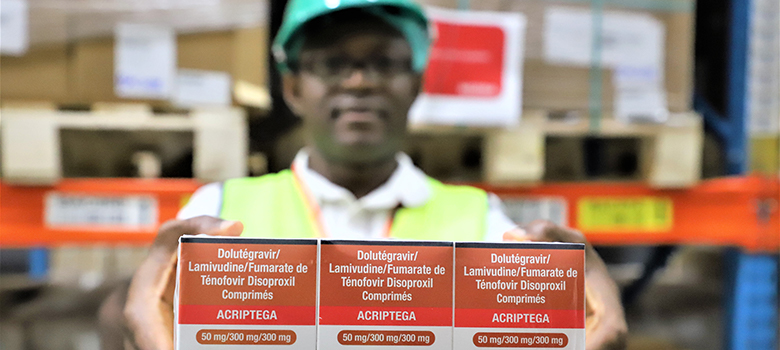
291	92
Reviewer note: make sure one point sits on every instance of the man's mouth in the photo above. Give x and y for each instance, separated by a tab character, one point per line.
358	115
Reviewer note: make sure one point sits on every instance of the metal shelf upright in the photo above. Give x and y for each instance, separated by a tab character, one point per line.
752	278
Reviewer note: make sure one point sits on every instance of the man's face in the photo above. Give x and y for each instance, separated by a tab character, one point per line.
353	89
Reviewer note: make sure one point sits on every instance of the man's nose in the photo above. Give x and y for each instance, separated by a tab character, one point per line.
361	78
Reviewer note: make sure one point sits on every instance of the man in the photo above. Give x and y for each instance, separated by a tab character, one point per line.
352	69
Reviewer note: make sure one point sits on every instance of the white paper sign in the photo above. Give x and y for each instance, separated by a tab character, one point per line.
764	78
202	88
473	98
627	39
639	95
144	61
14	16
65	210
523	210
641	104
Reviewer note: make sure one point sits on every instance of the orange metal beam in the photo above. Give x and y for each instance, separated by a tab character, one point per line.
22	222
739	212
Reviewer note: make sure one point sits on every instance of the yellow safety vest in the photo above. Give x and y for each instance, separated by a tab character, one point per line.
275	206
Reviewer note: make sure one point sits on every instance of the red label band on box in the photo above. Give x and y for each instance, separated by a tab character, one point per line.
385	293
519	295
391	316
250	315
245	291
503	318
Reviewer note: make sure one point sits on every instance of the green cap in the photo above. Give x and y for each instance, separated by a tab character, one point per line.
409	19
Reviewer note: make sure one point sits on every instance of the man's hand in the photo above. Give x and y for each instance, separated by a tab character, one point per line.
149	308
605	323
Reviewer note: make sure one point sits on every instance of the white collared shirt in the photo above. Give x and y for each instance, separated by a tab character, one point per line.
346	217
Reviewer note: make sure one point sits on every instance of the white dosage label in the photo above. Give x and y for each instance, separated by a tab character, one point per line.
130	212
524	210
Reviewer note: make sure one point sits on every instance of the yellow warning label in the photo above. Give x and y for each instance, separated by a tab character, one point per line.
620	214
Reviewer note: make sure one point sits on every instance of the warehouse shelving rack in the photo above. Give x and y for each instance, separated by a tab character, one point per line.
752	277
731	212
737	212
740	212
720	212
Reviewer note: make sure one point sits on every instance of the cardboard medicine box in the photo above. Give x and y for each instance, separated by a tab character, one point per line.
234	292
385	294
519	295
342	294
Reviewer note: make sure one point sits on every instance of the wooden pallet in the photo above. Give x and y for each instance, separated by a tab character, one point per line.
38	141
544	147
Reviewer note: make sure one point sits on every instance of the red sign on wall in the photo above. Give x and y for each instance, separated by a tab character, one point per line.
474	74
466	60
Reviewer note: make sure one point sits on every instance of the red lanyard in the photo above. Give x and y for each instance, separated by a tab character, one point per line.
315	214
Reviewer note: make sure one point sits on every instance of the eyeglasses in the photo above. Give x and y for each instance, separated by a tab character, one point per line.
334	69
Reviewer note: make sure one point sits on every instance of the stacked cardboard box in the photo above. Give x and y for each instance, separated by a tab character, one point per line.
552	86
41	74
82	72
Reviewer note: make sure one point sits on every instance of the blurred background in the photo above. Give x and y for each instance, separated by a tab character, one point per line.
653	126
